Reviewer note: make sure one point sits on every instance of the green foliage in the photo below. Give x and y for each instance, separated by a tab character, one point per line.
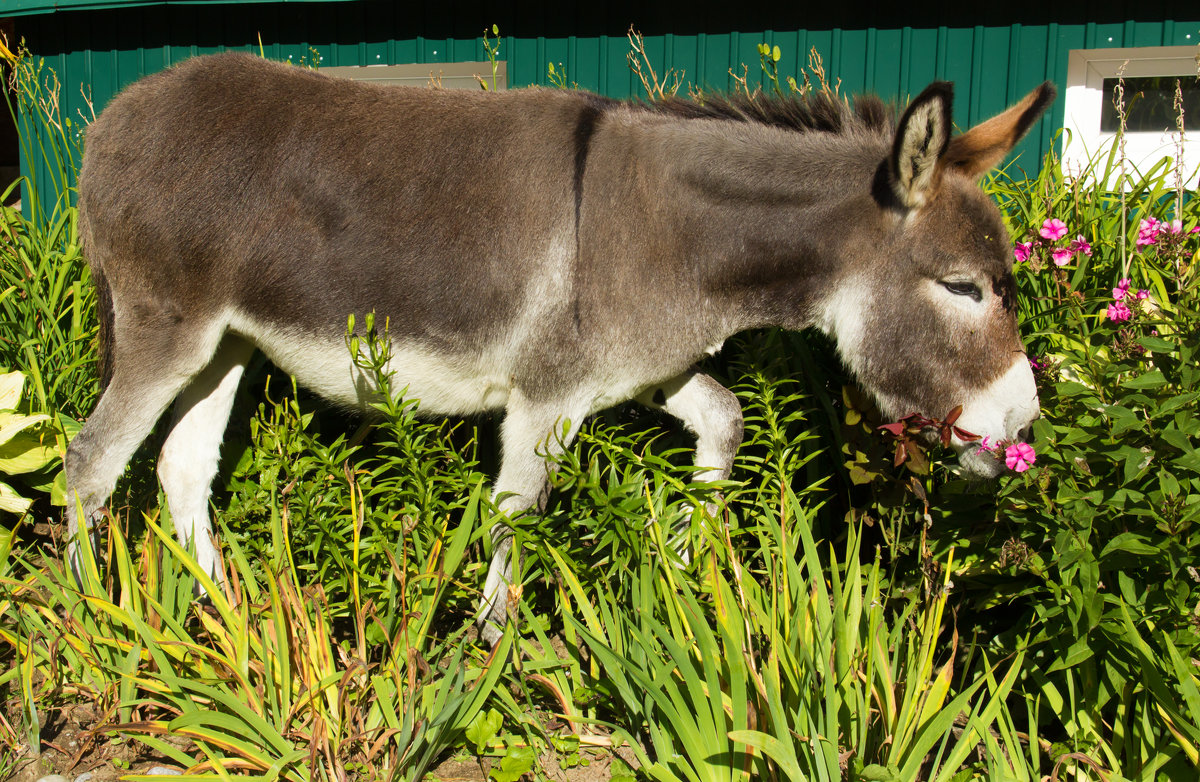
491	47
47	304
1102	536
353	506
823	614
763	669
32	447
47	313
266	680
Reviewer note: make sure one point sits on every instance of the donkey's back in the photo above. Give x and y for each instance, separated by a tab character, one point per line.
275	201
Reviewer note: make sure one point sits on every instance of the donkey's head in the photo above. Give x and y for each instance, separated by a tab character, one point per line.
926	315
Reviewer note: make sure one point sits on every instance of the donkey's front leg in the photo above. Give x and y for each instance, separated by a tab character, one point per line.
531	433
710	411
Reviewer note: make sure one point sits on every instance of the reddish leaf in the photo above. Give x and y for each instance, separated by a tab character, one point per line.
963	434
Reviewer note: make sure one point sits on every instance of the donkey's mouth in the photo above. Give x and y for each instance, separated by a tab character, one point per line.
979	461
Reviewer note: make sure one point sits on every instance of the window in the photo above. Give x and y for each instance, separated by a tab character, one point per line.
1150	74
452	75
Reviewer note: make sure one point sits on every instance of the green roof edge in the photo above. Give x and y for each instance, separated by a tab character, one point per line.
33	7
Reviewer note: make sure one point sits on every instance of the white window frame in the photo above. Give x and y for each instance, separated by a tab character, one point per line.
1084	141
450	75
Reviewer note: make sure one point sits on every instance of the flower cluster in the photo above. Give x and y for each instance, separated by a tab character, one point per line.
908	432
1018	457
1043	369
1052	232
1119	311
1149	230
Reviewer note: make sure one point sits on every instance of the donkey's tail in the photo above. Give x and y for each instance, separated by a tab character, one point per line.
104	303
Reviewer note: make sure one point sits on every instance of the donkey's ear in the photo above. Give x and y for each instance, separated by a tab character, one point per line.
984	146
921	139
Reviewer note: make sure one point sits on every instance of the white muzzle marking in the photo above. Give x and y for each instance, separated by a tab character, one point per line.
999	412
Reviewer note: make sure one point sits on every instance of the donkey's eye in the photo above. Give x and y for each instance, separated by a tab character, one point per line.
963	289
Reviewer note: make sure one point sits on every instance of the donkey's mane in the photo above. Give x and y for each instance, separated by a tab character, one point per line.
814	112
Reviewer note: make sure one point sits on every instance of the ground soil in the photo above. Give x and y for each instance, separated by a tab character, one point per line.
71	746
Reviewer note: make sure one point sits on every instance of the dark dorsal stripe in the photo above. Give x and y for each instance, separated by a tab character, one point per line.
585	128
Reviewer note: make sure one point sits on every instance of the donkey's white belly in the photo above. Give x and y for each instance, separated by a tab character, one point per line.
441	384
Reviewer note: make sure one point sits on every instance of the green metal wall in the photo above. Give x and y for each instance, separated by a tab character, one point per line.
994	55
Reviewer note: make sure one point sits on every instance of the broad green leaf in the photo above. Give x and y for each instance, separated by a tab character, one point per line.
11	501
11	384
483	729
19	423
1129	542
783	753
1150	380
1157	344
26	453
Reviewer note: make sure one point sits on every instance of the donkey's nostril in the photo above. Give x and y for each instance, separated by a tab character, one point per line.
1026	435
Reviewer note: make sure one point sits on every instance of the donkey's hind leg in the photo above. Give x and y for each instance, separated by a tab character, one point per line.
530	433
189	458
712	413
153	358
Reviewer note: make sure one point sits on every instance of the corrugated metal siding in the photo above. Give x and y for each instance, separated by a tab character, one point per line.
992	59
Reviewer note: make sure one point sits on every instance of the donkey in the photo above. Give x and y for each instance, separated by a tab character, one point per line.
546	253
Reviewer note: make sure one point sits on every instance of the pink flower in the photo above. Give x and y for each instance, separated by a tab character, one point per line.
1080	245
1176	227
1019	457
1122	288
1022	251
1053	229
1148	231
1143	294
1061	255
987	444
1118	312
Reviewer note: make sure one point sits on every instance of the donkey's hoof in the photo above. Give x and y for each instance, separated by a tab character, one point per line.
74	558
490	632
73	561
201	595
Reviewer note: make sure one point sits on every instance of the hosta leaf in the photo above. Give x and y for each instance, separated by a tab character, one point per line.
58	489
11	501
11	384
17	424
26	453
